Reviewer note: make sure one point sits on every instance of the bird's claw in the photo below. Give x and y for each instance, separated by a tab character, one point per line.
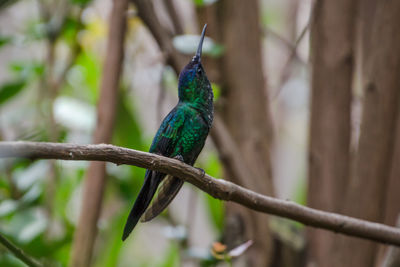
179	157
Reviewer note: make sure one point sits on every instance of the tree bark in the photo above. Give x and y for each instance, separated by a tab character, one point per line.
392	206
329	155
392	257
86	232
245	111
392	202
217	188
380	68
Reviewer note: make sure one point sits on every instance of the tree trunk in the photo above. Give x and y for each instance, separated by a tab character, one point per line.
392	202
332	61
96	175
245	112
380	68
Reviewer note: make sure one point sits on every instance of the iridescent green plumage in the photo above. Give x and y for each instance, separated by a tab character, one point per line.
182	135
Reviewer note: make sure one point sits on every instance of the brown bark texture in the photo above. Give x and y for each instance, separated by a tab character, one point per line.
217	188
332	32
367	190
392	203
392	206
86	232
245	112
392	255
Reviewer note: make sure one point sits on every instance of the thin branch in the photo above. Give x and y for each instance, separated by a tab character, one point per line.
218	188
19	253
148	15
291	47
173	14
293	55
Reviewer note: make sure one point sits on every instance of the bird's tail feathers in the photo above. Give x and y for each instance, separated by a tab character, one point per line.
149	188
170	186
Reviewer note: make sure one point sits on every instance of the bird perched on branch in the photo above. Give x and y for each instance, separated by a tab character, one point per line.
182	135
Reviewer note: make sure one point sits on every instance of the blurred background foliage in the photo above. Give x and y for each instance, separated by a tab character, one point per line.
51	55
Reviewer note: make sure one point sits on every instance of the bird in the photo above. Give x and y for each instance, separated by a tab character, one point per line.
181	135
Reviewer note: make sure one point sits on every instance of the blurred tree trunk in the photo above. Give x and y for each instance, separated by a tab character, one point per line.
332	32
368	187
392	206
392	202
86	232
245	112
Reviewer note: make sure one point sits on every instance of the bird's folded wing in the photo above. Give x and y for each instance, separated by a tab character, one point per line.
168	189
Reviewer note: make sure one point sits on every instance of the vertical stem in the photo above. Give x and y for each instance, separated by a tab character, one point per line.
247	117
392	257
332	31
367	188
86	232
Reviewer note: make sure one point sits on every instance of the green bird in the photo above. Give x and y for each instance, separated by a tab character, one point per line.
182	135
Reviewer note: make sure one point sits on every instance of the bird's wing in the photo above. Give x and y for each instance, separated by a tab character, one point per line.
164	143
167	191
189	136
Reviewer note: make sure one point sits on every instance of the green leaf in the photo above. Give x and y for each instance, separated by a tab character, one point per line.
27	70
10	89
4	40
204	2
8	259
80	2
70	30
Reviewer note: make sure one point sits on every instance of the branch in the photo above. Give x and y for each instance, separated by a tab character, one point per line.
217	188
173	14
19	253
149	17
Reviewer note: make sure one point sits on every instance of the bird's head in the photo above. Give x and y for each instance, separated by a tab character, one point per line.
194	85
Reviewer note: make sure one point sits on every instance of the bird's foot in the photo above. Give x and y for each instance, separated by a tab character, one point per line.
203	173
179	157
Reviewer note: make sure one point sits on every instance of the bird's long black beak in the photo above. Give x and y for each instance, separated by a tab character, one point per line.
197	57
